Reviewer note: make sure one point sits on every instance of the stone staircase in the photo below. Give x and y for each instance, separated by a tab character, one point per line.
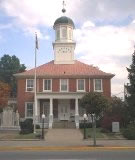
64	124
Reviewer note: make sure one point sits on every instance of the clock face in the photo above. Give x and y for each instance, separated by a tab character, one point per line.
64	50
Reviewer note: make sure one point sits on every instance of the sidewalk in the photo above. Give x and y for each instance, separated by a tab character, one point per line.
65	139
80	146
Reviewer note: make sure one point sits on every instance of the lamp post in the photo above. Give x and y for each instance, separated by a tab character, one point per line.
94	128
84	118
43	120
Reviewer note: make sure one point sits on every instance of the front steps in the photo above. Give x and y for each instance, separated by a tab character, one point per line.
64	124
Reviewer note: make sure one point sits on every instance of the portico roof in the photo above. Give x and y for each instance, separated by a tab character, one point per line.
78	69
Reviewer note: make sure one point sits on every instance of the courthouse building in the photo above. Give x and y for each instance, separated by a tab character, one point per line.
60	82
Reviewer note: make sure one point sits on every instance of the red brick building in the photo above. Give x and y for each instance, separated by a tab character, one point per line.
61	82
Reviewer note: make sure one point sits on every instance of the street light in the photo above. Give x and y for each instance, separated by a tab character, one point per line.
94	128
43	121
84	118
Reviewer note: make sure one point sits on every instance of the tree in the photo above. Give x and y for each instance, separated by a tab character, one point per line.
117	112
95	102
130	98
9	65
4	94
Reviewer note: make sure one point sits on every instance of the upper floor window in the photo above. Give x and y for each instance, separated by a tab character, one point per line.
64	32
47	84
29	109
70	34
63	85
58	34
29	85
98	85
80	85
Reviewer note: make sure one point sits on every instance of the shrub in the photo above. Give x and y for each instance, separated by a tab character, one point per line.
26	126
103	130
129	132
37	126
87	125
98	123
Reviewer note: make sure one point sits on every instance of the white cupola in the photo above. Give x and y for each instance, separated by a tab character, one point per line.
64	44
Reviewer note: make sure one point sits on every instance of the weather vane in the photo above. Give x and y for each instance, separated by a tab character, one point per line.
63	9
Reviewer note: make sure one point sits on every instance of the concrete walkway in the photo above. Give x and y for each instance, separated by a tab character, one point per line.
64	137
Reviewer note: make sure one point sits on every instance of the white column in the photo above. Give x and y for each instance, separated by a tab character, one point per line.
51	113
51	107
76	107
76	113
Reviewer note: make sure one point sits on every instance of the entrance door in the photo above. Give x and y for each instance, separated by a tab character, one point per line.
64	111
45	109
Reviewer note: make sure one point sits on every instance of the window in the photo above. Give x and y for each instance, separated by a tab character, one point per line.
64	32
30	85
98	85
29	110
80	85
63	85
58	34
47	84
70	34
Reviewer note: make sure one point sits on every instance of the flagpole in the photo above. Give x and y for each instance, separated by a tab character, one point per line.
35	85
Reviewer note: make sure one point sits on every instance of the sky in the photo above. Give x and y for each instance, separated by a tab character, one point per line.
104	33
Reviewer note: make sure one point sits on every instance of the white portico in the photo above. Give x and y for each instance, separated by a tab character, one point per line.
58	107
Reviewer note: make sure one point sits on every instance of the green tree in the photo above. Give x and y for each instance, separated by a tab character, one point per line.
116	112
130	98
9	65
94	102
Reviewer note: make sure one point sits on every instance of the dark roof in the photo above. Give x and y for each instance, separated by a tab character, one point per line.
78	69
64	20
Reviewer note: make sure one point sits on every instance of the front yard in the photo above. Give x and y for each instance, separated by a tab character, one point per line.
101	135
15	136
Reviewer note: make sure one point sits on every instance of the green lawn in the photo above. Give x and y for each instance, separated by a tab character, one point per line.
26	136
99	134
21	136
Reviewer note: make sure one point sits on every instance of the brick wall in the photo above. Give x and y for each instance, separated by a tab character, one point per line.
24	96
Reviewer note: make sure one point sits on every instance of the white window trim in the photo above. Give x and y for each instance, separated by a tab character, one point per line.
101	85
26	109
44	86
26	85
67	85
84	86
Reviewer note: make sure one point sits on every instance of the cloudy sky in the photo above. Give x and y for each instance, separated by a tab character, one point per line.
105	32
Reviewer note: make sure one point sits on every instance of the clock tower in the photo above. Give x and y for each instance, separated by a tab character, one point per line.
64	44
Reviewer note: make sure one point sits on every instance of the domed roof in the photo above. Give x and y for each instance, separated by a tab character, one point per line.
64	20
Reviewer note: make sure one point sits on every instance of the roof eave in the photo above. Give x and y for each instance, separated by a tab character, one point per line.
65	76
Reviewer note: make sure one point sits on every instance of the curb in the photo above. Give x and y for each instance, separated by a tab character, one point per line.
102	139
66	148
21	140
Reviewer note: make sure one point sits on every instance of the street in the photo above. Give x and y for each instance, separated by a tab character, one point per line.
69	155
